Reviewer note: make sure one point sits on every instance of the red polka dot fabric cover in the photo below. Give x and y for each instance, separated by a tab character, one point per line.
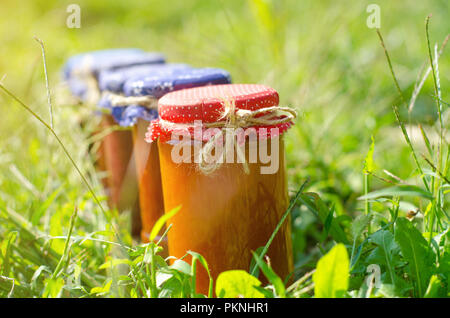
207	104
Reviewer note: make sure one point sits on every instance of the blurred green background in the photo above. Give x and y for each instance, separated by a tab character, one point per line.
320	56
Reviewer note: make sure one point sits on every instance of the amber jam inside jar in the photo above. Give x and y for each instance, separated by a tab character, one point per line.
226	214
149	178
115	157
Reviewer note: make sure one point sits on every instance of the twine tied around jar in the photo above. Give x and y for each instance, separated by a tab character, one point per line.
241	118
146	101
85	75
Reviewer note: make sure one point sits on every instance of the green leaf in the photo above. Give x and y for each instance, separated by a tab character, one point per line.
399	190
444	266
237	283
181	266
268	293
386	291
327	224
384	253
359	224
114	262
172	287
273	278
253	264
368	162
161	221
417	253
435	288
5	252
161	277
315	204
332	273
53	287
356	254
103	289
198	257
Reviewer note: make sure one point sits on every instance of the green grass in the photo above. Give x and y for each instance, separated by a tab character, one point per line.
56	240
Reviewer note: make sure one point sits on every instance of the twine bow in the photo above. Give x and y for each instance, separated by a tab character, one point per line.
240	118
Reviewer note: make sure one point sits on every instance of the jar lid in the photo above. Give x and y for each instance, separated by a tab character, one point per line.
128	116
154	82
113	80
81	71
96	61
207	104
157	85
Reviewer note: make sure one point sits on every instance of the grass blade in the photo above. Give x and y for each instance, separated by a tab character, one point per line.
47	86
398	190
280	223
400	93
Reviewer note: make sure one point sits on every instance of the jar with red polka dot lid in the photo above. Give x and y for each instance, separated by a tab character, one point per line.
222	163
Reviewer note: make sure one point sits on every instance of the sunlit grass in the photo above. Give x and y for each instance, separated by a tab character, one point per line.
324	62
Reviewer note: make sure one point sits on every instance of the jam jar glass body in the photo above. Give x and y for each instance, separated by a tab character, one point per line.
229	211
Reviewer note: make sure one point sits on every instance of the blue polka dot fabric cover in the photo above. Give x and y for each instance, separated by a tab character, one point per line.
88	65
160	83
113	80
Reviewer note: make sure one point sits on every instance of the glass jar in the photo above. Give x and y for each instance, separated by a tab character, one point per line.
117	149
83	74
154	85
149	179
234	209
